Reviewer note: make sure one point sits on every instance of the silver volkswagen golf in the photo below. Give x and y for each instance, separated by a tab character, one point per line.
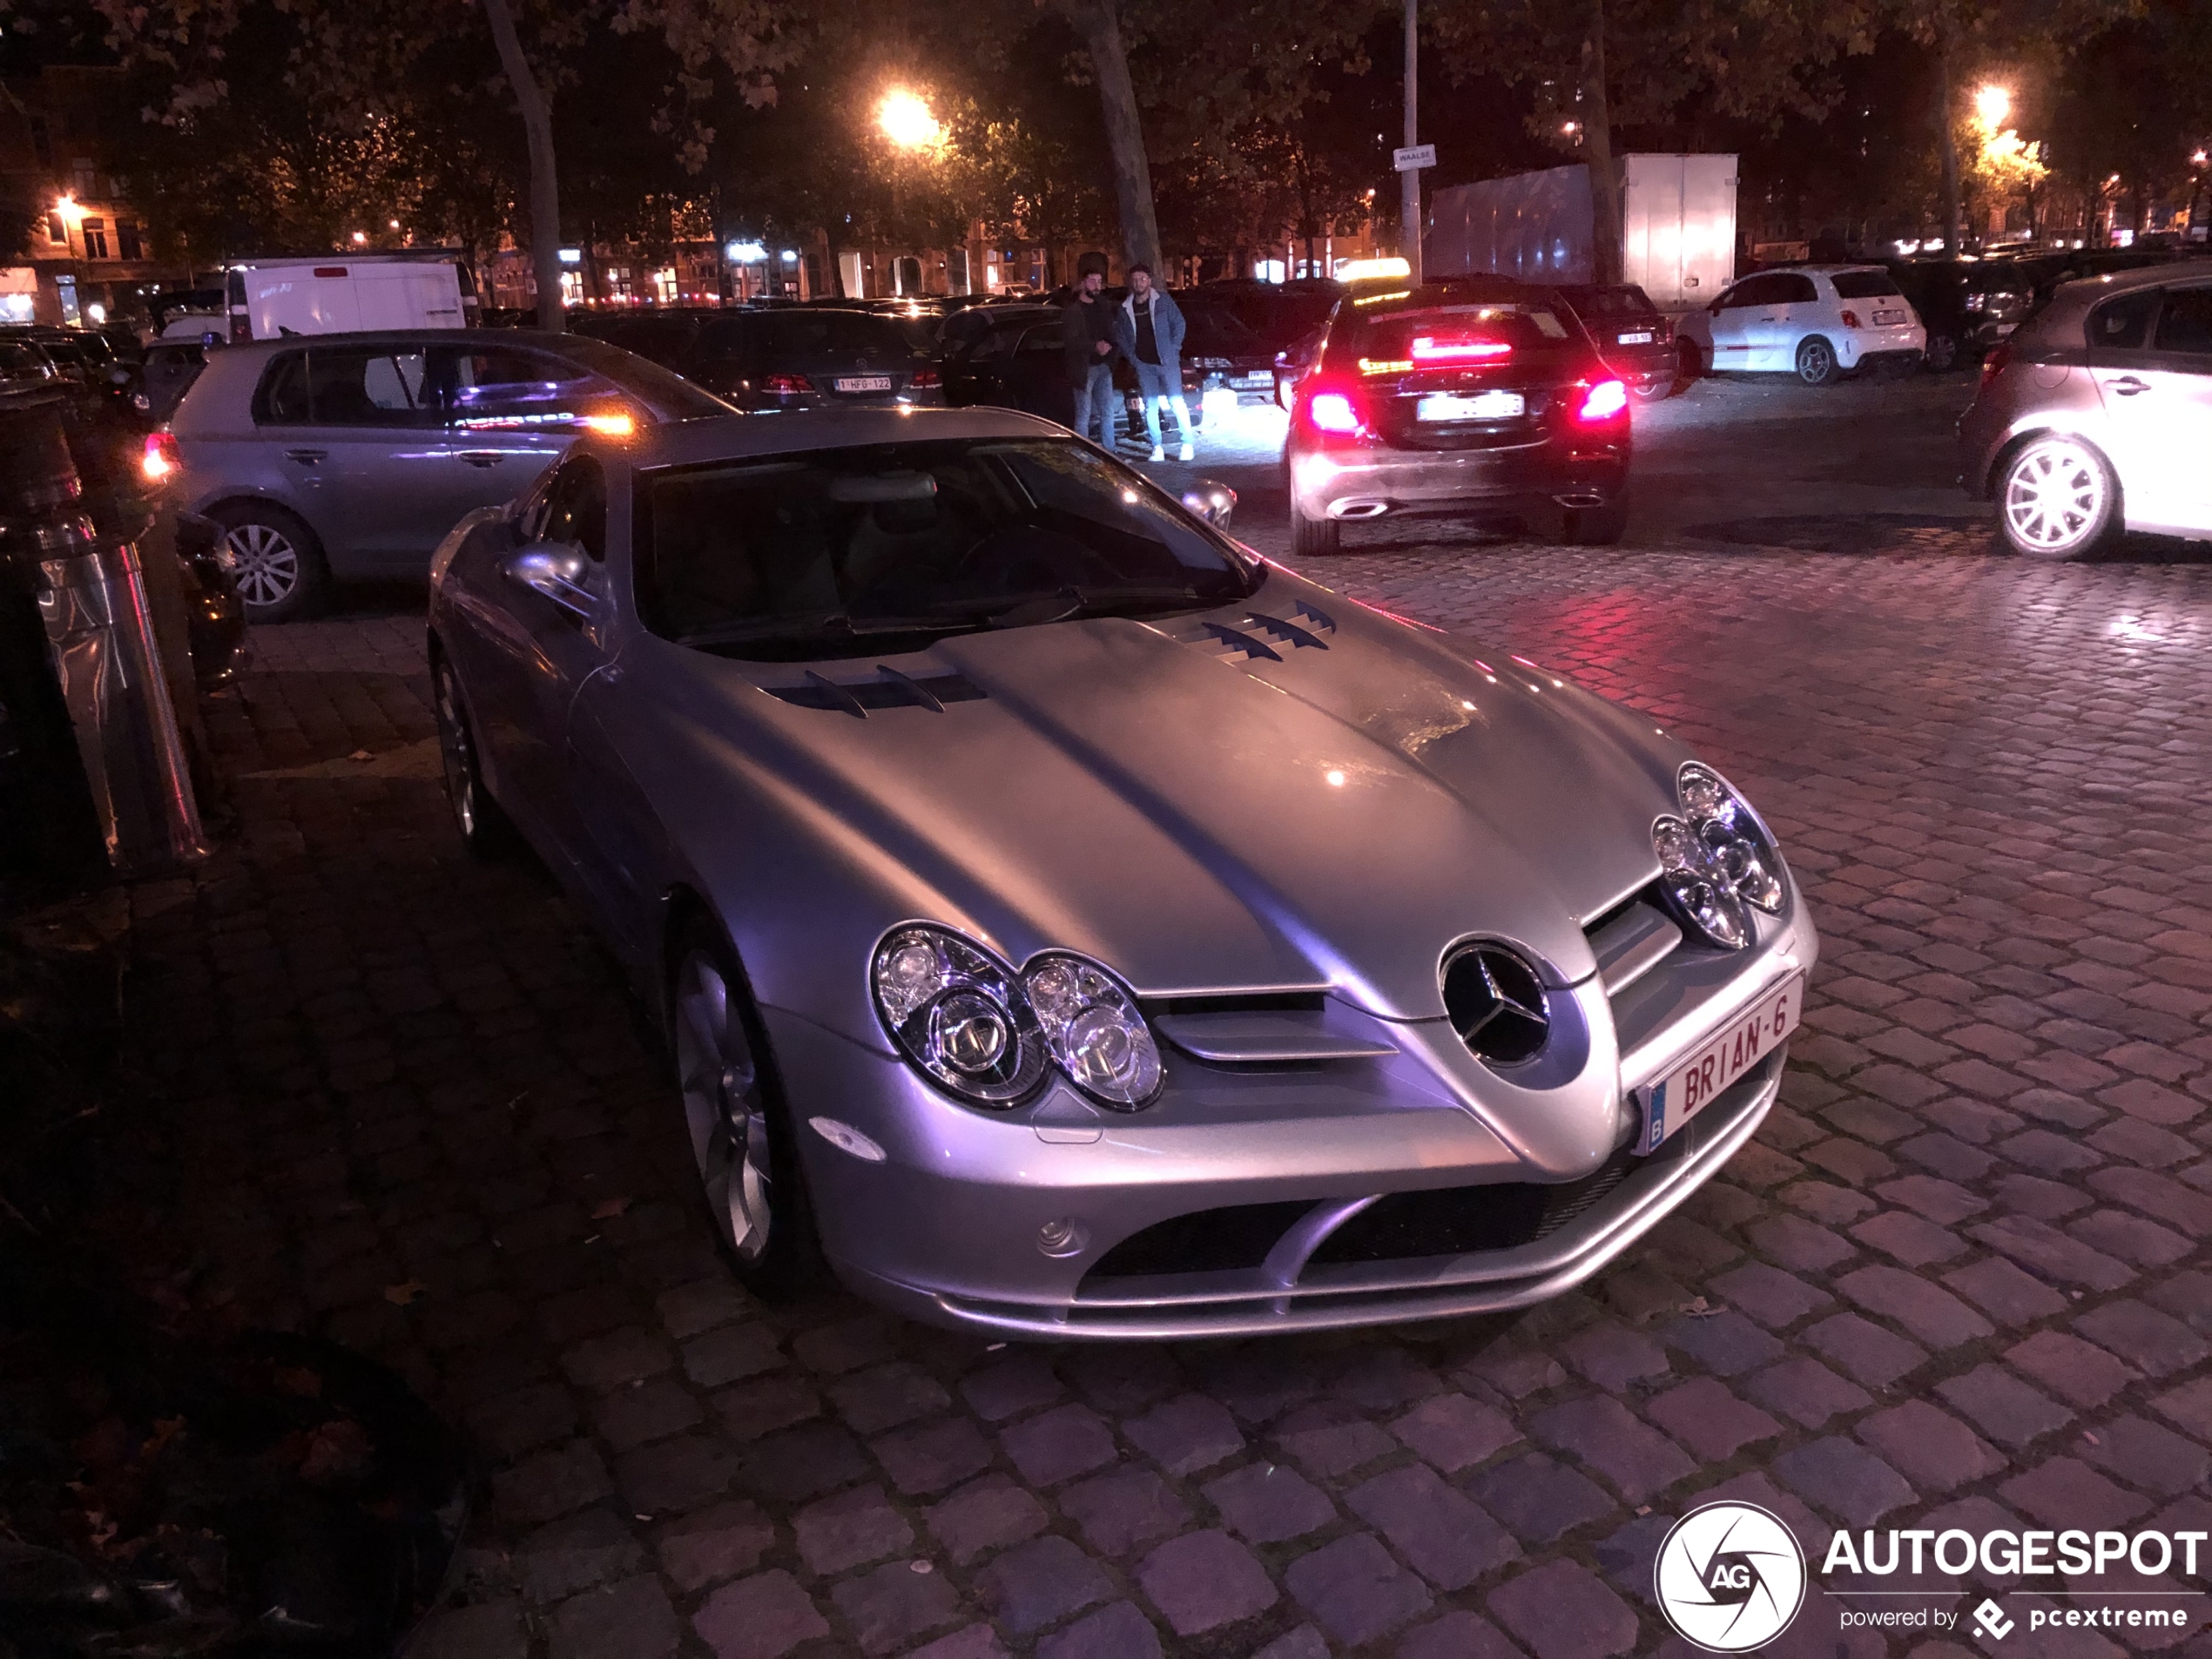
1068	923
2095	417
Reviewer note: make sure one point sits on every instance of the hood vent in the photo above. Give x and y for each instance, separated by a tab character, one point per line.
1496	1004
888	689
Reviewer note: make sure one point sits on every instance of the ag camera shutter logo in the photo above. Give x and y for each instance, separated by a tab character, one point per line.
1730	1577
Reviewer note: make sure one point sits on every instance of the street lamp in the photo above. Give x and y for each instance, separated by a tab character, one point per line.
1993	104
906	120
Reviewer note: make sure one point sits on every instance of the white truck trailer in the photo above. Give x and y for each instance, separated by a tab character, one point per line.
1677	228
335	294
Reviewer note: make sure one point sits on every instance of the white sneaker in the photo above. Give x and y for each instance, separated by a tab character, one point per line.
1190	452
1159	454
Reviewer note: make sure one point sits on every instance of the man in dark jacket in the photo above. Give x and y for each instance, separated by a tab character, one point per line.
1148	330
1087	345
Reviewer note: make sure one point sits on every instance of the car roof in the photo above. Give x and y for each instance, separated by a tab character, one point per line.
255	349
740	437
2087	291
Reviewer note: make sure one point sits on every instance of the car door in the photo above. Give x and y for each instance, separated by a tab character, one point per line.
1732	322
535	648
1793	308
357	434
510	413
2152	362
1038	377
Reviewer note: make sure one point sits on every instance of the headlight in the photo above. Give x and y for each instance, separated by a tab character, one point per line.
959	1016
1095	1031
1717	858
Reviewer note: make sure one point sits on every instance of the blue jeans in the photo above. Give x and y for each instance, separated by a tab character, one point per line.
1158	383
1094	404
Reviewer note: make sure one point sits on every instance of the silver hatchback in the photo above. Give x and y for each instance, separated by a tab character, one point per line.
2095	418
351	455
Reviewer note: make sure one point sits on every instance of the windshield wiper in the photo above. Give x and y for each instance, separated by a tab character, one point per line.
1071	601
823	624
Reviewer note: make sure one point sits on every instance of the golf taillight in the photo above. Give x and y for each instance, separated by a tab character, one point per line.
160	459
924	380
1332	412
1604	400
784	385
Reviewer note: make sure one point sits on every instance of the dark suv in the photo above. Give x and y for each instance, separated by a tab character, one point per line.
1967	305
1472	396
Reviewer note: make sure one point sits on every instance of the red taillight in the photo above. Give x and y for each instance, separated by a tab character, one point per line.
1429	349
1851	318
241	331
159	461
924	380
1332	412
1606	400
786	384
1994	365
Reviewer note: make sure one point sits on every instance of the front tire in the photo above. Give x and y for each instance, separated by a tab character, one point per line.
1312	537
1689	364
275	560
486	830
1942	354
1816	362
2057	498
739	1129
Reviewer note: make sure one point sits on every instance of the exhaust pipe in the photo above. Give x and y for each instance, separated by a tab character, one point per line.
1585	499
1357	508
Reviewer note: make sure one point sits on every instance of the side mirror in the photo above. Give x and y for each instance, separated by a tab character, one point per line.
1211	501
562	574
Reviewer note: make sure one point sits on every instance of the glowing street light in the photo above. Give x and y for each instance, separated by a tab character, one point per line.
1993	104
360	238
906	120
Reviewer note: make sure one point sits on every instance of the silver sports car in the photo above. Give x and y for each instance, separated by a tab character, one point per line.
1069	924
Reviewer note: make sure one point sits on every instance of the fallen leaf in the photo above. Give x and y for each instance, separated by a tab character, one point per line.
399	1294
361	754
608	1208
336	1448
1697	1308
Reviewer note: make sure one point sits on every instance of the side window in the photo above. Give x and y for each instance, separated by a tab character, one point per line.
2185	321
1000	343
1795	290
500	388
574	508
282	399
1041	340
2123	324
369	386
1752	291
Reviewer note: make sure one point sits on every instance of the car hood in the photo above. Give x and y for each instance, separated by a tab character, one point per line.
1293	792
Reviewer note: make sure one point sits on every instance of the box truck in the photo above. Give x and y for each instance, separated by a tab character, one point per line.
336	294
1677	228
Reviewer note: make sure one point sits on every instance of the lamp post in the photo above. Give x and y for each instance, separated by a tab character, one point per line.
1409	182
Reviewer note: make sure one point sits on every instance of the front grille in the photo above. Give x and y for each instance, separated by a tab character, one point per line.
1453	1221
1235	1238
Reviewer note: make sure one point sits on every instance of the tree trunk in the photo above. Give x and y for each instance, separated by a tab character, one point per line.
545	182
1597	144
1102	32
1954	213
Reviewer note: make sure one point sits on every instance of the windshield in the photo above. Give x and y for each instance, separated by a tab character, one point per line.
792	335
830	553
1455	336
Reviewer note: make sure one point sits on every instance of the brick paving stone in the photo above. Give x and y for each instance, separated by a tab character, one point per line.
2042	1249
753	1410
1712	1422
1457	1634
1331	1439
1539	1499
761	1617
1124	1508
647	1411
2073	1370
1014	1384
1185	1434
2190	1405
628	1620
1613	1356
1773	1297
984	1516
1203	1580
1928	1313
580	1552
1909	1239
487	1630
617	1357
932	1457
1725	1343
1844	1478
1039	1583
2156	1343
1269	1503
1637	1460
671	1477
889	1606
2064	1492
973	1641
1050	1448
1561	1612
1805	1391
1355	1590
1934	1451
714	1544
1303	1642
1116	1631
1447	1538
2003	1407
1864	1350
2003	1292
552	1483
1453	1431
730	1354
848	1530
2144	1454
886	1396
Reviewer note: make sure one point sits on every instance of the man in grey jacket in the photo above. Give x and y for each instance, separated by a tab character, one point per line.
1148	330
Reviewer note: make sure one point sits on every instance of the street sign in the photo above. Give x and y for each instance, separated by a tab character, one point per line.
1413	157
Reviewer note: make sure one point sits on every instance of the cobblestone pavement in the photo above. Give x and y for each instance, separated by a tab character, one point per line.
1961	1277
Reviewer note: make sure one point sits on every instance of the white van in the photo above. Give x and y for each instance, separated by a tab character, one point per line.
343	294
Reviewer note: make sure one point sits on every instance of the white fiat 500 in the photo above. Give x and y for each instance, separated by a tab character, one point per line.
1819	322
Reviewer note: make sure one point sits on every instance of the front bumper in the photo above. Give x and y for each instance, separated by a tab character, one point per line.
1376	482
1223	1208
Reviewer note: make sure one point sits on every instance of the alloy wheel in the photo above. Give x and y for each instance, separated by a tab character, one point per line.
725	1107
1815	362
2054	497
266	564
457	753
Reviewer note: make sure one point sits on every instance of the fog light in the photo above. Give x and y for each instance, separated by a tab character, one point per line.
1063	1237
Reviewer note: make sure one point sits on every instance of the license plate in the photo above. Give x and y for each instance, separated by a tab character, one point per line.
1252	381
1888	319
862	383
1641	337
2004	328
1483	406
1701	1079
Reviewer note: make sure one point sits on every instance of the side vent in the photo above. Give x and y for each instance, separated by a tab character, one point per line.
889	689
